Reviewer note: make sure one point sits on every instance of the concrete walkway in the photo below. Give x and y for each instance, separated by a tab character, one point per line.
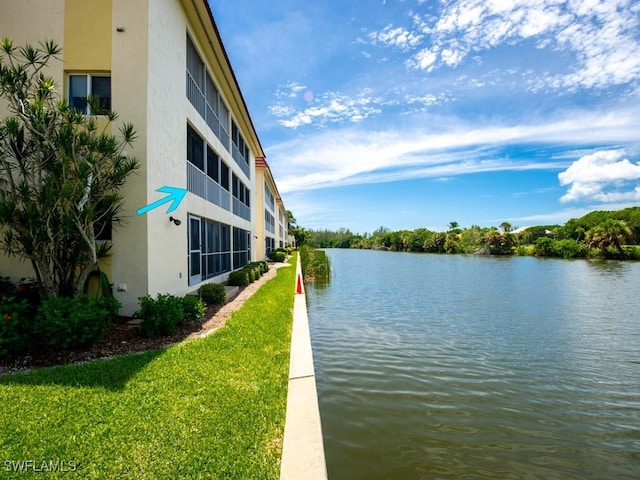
303	449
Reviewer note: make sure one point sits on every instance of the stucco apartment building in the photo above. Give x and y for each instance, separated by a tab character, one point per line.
162	66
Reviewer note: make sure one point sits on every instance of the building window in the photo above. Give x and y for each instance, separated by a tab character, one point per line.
269	222
204	96
270	200
224	175
270	245
103	229
83	86
240	151
241	198
213	165
207	174
241	247
195	148
209	249
195	250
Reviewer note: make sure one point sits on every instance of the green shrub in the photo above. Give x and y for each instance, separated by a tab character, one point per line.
239	278
68	323
594	253
569	248
213	293
193	308
15	326
250	274
258	269
544	247
632	252
256	273
112	305
277	256
525	250
160	315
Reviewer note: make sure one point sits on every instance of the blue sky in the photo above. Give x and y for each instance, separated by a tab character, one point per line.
417	113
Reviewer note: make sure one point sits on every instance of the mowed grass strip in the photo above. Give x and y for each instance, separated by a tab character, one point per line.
212	408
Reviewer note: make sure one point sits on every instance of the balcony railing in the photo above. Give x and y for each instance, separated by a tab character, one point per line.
200	184
241	210
195	95
240	161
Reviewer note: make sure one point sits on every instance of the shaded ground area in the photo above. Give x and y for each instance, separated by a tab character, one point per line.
123	338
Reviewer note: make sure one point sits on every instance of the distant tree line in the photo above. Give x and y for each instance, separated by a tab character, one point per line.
599	234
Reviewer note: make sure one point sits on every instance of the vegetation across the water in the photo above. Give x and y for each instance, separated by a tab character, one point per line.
599	234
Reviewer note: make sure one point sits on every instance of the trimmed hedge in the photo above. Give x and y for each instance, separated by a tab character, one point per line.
248	274
239	278
213	293
277	256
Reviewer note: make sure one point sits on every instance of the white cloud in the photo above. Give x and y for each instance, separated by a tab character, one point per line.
601	36
348	156
333	108
425	60
290	90
604	176
329	108
397	37
280	110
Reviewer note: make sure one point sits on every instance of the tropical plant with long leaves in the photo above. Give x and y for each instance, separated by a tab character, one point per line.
61	172
610	233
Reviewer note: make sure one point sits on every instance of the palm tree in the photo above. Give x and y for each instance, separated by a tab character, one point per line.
506	227
610	233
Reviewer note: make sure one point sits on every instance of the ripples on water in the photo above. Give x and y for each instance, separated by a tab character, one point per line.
434	366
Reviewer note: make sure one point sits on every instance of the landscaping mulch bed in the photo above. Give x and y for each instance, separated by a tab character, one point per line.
124	338
120	339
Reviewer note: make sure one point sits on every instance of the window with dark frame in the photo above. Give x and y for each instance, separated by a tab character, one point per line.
209	249
82	86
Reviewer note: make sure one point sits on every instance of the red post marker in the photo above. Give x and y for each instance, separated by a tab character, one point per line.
299	286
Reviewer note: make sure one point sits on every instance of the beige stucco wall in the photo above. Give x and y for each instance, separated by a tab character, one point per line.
87	36
166	146
16	15
260	247
129	78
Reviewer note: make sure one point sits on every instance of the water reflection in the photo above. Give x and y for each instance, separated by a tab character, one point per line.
433	366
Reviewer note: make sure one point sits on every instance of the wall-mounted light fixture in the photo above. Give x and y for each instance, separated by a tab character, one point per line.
175	221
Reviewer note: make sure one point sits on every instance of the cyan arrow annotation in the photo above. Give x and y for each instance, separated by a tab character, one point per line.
176	195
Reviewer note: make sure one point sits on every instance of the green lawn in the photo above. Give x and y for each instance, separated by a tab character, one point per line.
212	408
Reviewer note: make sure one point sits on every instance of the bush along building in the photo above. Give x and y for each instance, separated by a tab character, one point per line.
161	65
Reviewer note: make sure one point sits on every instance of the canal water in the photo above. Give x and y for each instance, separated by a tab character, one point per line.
472	367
